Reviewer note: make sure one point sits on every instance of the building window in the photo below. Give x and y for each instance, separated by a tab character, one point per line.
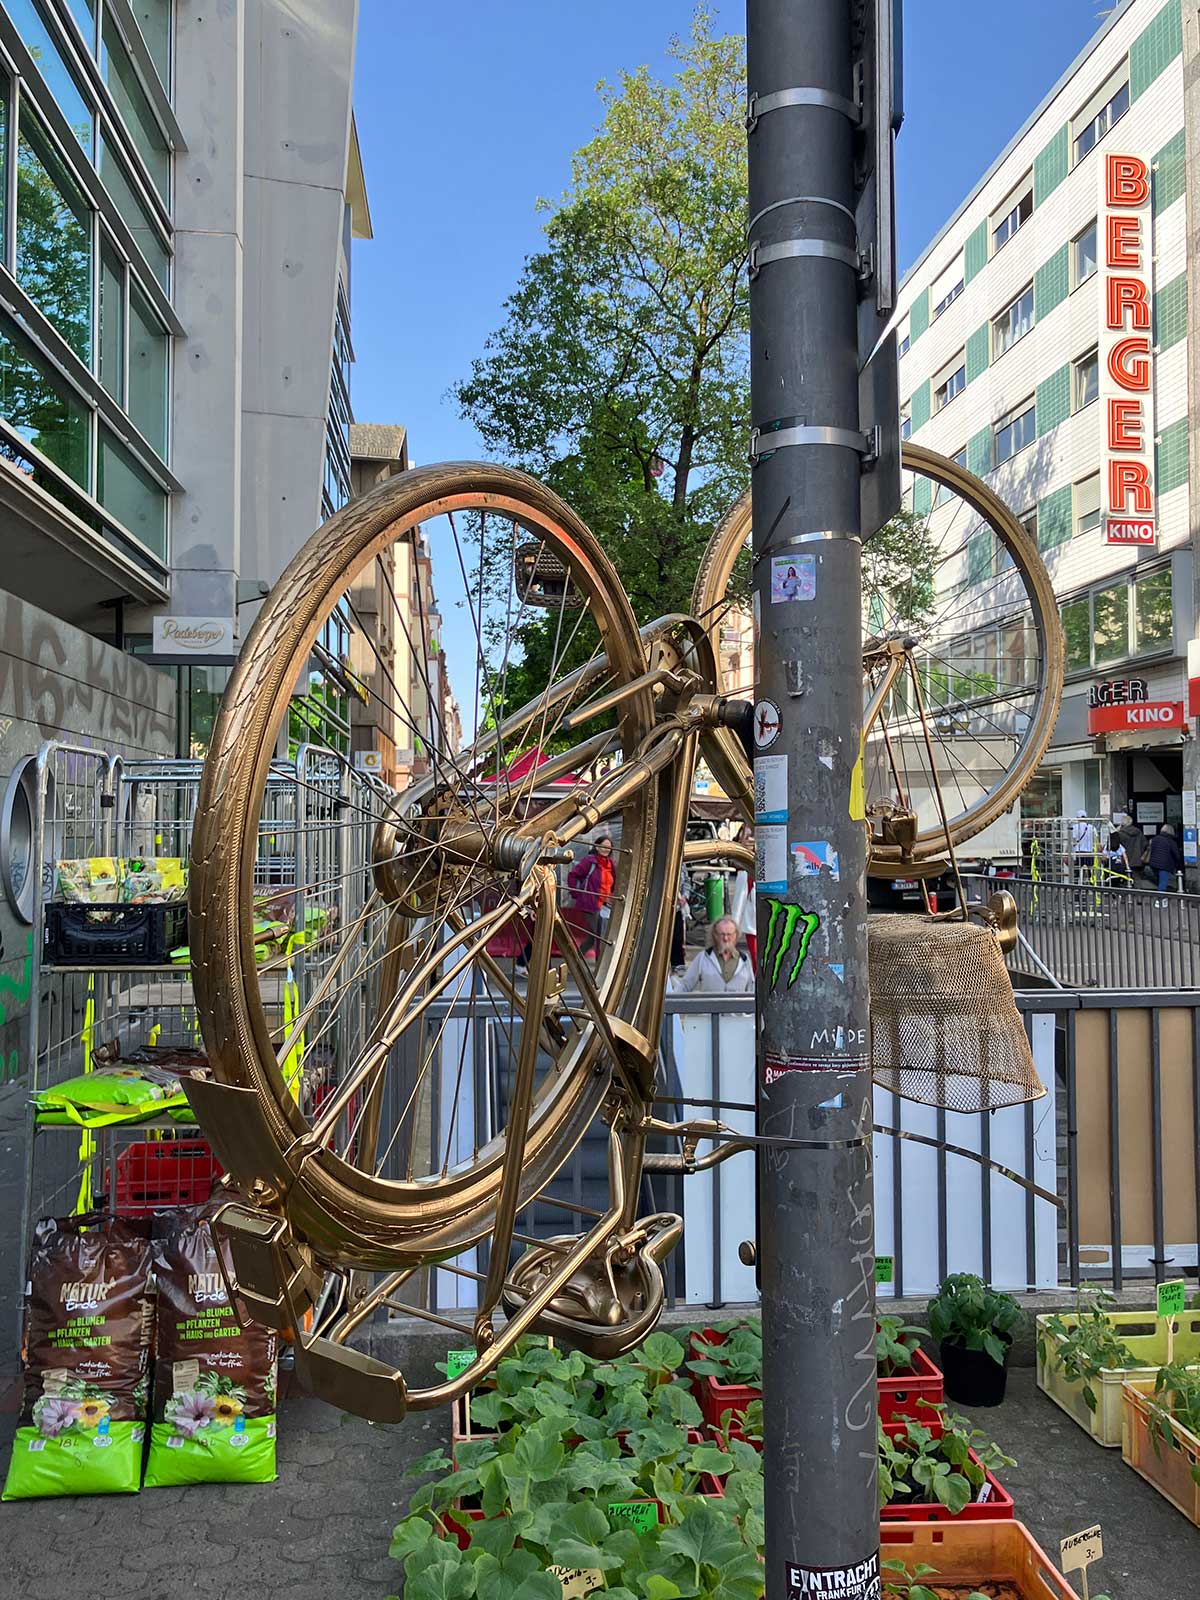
1017	209
1104	109
1029	522
1014	432
39	406
1013	323
148	347
135	108
110	336
951	294
946	287
1154	622
1087	504
941	492
134	214
54	239
59	79
951	380
1110	624
1083	255
903	341
126	489
1085	381
906	420
1077	631
85	20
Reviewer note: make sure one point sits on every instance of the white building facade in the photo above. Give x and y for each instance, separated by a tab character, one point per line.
1008	362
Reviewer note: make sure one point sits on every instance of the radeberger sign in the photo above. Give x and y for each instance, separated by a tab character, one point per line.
182	637
1126	342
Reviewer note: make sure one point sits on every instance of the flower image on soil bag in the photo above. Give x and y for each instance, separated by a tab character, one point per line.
88	1320
214	1380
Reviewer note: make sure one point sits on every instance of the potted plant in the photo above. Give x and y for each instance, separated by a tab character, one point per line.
908	1379
727	1363
1084	1356
1160	1438
941	1468
974	1325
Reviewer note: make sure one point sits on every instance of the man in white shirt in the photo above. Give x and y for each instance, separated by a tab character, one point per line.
722	969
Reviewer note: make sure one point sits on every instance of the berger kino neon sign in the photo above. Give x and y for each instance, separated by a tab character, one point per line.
1126	396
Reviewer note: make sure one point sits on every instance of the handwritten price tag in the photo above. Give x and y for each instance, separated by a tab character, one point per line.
1078	1550
457	1361
885	1269
641	1515
1172	1298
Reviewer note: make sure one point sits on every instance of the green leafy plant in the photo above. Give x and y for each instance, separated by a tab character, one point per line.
926	1464
737	1359
546	1504
1175	1404
895	1342
1083	1349
967	1312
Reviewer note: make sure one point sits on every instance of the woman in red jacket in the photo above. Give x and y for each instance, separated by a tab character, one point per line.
591	882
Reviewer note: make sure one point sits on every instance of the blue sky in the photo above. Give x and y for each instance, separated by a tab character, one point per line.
467	114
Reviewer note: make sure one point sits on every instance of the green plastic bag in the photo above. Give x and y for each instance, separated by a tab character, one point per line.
214	1379
109	1096
89	1313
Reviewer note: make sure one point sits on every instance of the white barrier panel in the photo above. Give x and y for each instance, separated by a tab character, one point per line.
713	1273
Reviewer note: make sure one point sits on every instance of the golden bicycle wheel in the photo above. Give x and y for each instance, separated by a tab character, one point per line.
459	863
962	662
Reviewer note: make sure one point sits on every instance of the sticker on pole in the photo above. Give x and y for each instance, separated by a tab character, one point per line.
770	858
859	1582
770	789
814	858
793	578
766	724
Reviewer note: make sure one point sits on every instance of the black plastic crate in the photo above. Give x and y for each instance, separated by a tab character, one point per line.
114	935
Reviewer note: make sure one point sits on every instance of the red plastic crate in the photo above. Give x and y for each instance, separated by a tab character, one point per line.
998	1507
901	1395
158	1174
718	1398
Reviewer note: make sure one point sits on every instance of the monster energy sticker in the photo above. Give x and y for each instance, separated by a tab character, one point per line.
789	933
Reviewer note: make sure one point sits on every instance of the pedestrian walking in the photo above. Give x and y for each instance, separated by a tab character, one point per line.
1165	858
591	883
1127	845
1083	846
722	968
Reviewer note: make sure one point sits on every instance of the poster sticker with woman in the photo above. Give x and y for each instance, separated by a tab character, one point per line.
793	578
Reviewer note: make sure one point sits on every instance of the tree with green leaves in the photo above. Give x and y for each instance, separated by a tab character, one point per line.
620	374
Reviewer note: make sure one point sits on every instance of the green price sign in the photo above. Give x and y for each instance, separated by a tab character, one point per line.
885	1269
1172	1298
458	1361
641	1515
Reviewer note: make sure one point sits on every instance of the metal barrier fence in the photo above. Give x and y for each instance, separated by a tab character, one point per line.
1091	936
1116	1137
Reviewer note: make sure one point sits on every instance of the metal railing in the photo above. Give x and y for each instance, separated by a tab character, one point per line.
1099	936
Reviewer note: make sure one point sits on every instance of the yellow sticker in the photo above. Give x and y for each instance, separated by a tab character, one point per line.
858	786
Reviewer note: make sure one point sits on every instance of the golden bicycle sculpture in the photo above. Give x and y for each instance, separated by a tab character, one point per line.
345	1186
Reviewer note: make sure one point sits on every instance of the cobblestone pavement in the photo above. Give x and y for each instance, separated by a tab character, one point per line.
320	1533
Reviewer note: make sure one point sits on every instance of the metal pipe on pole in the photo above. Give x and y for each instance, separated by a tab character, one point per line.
808	267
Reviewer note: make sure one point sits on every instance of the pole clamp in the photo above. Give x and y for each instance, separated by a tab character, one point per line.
867	444
761	255
758	105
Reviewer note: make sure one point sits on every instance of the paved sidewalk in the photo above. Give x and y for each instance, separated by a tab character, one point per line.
320	1533
1063	1482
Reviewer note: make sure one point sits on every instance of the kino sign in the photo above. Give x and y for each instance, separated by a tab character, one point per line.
1126	395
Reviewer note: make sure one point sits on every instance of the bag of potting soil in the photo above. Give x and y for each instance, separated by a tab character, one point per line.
89	1317
213	1417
